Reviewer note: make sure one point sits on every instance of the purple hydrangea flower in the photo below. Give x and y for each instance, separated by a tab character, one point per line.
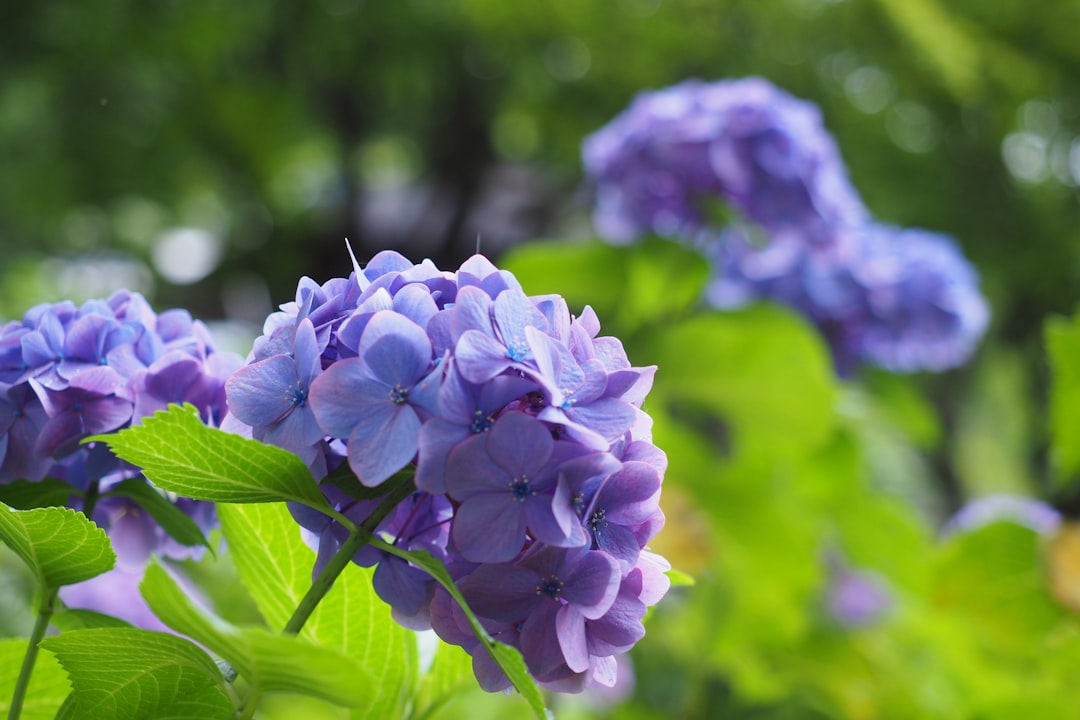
1028	512
905	300
532	458
902	299
855	598
766	153
73	371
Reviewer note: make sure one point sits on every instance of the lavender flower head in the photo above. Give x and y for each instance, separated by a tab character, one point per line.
1027	512
657	165
68	372
536	481
904	300
855	598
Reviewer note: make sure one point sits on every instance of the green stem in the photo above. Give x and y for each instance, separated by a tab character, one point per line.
46	608
45	612
359	536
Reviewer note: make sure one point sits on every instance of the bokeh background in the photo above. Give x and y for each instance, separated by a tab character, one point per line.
207	154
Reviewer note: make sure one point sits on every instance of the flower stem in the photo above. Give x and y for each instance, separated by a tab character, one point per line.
45	612
46	607
359	536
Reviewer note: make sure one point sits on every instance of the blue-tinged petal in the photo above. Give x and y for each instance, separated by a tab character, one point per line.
60	434
296	432
489	528
480	357
414	301
513	313
543	524
171	375
400	585
106	414
609	417
383	441
306	353
519	444
469	470
472	311
259	394
438	438
341	394
396	350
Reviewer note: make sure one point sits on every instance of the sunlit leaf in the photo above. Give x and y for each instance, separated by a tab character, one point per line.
48	685
59	545
127	674
178	452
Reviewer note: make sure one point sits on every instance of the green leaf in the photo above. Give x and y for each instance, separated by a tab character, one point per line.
171	518
763	371
180	453
1063	348
59	545
995	578
122	673
26	495
628	287
48	685
275	566
449	674
270	662
679	578
508	658
78	619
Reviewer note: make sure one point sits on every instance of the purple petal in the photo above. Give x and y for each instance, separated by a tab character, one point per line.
500	592
437	439
396	349
480	357
107	414
382	442
570	629
469	470
334	394
258	393
519	444
489	528
592	584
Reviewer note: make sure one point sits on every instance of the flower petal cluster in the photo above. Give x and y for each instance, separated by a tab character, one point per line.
537	483
1028	512
763	151
68	372
902	299
905	300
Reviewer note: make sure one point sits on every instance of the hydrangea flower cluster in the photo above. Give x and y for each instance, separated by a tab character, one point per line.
536	480
855	598
1033	514
902	299
68	372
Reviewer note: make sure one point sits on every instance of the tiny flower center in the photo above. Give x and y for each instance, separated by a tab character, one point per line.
550	586
578	502
77	407
520	489
296	395
481	423
517	351
598	521
399	395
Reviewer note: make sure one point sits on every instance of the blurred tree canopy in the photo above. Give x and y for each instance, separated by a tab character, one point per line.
278	129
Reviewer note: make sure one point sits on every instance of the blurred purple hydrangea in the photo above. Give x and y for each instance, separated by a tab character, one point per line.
536	481
1028	512
659	164
904	300
855	598
68	372
901	299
